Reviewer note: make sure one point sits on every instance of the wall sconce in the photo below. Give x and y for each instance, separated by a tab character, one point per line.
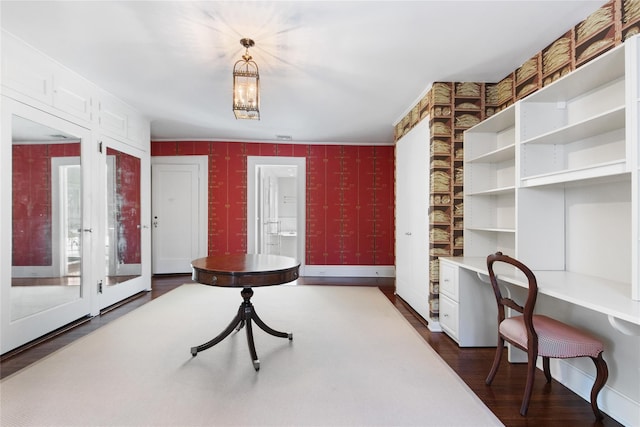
246	85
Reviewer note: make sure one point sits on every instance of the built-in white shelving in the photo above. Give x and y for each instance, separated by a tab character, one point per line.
554	179
490	184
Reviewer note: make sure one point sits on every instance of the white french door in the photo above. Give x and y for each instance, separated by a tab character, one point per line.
46	226
125	228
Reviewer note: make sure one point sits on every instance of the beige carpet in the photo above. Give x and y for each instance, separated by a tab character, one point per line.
354	361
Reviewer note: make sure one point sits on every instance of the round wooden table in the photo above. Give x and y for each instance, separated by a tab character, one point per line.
244	271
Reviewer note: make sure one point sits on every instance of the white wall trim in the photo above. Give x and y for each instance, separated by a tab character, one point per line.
615	404
434	325
350	270
359	144
413	104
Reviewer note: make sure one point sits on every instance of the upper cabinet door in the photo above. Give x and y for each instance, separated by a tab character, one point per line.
73	95
26	71
28	76
112	118
120	121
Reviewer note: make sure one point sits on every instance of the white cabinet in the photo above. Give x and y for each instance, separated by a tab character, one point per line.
412	226
111	117
122	122
25	71
32	78
73	95
44	83
50	110
117	120
468	311
449	299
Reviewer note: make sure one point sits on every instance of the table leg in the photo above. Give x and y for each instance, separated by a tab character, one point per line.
238	320
252	347
246	313
268	329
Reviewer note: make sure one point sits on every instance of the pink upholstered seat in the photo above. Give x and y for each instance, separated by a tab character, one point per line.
541	336
555	339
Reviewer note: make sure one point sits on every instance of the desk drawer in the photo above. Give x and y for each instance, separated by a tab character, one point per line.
449	280
449	316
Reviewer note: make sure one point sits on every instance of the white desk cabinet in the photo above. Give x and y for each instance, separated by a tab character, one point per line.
468	311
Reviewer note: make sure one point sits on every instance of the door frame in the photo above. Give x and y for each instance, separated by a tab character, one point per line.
202	161
301	186
58	213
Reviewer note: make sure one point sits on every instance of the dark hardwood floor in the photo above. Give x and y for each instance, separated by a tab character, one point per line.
551	405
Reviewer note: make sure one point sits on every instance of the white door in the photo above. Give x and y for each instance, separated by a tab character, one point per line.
47	230
125	230
412	224
179	212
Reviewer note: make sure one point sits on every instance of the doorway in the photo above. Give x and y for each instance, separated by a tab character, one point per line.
66	215
276	205
179	220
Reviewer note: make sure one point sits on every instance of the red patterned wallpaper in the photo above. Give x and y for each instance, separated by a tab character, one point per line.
31	192
350	199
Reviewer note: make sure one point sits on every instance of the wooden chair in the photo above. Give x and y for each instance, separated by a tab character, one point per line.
540	335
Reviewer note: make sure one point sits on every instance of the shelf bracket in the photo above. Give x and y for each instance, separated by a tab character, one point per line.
623	326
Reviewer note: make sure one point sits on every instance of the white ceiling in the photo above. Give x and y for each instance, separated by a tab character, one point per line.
330	71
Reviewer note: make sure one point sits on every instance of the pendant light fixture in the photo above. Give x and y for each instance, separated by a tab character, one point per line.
246	85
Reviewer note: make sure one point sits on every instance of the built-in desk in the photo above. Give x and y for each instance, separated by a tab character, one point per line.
601	295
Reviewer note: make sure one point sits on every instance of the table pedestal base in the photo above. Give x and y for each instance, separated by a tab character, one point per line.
246	314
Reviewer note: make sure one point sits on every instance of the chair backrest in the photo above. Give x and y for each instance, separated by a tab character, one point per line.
503	303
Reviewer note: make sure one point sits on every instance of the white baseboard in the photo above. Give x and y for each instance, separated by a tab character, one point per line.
434	325
610	401
350	270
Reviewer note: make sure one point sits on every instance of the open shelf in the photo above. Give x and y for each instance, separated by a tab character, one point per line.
496	156
590	173
602	123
